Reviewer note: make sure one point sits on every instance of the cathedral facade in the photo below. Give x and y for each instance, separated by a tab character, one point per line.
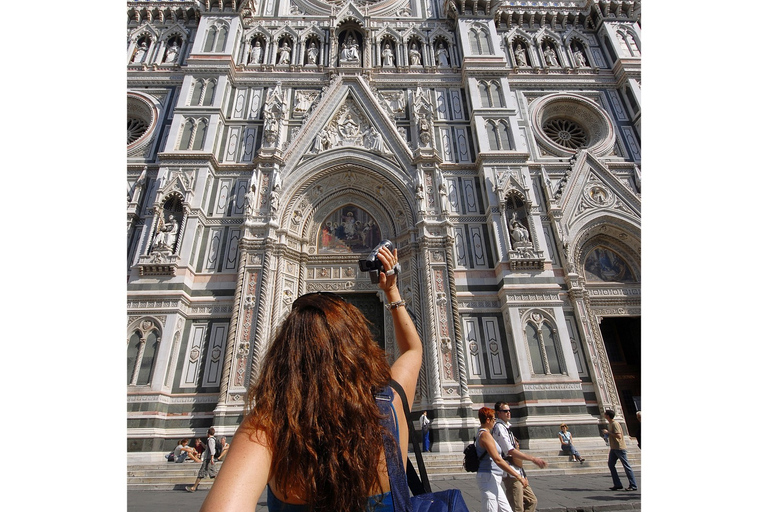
274	143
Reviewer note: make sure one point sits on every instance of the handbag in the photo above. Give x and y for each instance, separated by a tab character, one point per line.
423	499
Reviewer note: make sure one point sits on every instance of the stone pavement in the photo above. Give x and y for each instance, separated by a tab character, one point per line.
556	493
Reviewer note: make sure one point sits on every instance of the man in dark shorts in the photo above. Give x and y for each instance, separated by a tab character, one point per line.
209	461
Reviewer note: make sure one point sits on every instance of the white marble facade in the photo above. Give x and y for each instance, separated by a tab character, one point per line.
270	143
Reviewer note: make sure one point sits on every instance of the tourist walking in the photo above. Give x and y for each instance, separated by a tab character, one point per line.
209	461
520	495
494	497
618	452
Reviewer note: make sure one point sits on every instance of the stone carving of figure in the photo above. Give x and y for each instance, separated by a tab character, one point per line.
321	142
375	140
312	52
256	52
549	56
414	55
420	196
285	53
387	57
274	202
519	234
581	62
424	129
166	233
250	201
442	56
141	52
349	127
443	191
349	49
520	56
172	53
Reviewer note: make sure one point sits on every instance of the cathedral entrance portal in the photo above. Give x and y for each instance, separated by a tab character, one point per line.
621	336
370	305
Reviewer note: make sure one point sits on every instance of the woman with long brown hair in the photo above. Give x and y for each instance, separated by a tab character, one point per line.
313	433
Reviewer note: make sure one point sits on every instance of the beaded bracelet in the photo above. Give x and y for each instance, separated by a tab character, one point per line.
394	305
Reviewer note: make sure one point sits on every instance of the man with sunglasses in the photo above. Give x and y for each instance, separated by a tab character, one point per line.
519	494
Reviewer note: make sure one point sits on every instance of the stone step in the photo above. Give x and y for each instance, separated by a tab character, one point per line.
155	476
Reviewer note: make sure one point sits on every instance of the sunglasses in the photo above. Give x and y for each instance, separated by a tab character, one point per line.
505	410
326	294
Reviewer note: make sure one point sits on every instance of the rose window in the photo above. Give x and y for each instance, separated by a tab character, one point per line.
565	123
136	128
566	133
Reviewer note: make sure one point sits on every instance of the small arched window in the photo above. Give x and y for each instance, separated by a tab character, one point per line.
199	135
485	94
221	39
543	348
210	87
493	139
141	357
210	39
186	134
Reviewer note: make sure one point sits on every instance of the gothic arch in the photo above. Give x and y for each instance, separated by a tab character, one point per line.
544	357
144	30
389	33
143	332
348	170
612	233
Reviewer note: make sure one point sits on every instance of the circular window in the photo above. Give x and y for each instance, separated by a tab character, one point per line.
566	133
142	118
136	128
565	123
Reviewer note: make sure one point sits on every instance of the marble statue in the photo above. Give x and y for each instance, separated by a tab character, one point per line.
312	52
387	57
285	53
442	56
414	55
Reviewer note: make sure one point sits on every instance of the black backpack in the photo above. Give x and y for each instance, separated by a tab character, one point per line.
219	448
471	459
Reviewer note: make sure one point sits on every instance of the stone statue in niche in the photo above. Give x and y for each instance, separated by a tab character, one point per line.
172	53
270	127
256	51
387	57
141	52
420	197
520	56
443	191
166	233
442	56
250	201
312	52
350	50
285	54
550	57
274	202
414	55
424	135
519	234
578	57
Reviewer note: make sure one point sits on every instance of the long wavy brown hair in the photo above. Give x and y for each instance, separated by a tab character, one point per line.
315	402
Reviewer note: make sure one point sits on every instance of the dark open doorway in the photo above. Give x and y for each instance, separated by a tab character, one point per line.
621	336
370	305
